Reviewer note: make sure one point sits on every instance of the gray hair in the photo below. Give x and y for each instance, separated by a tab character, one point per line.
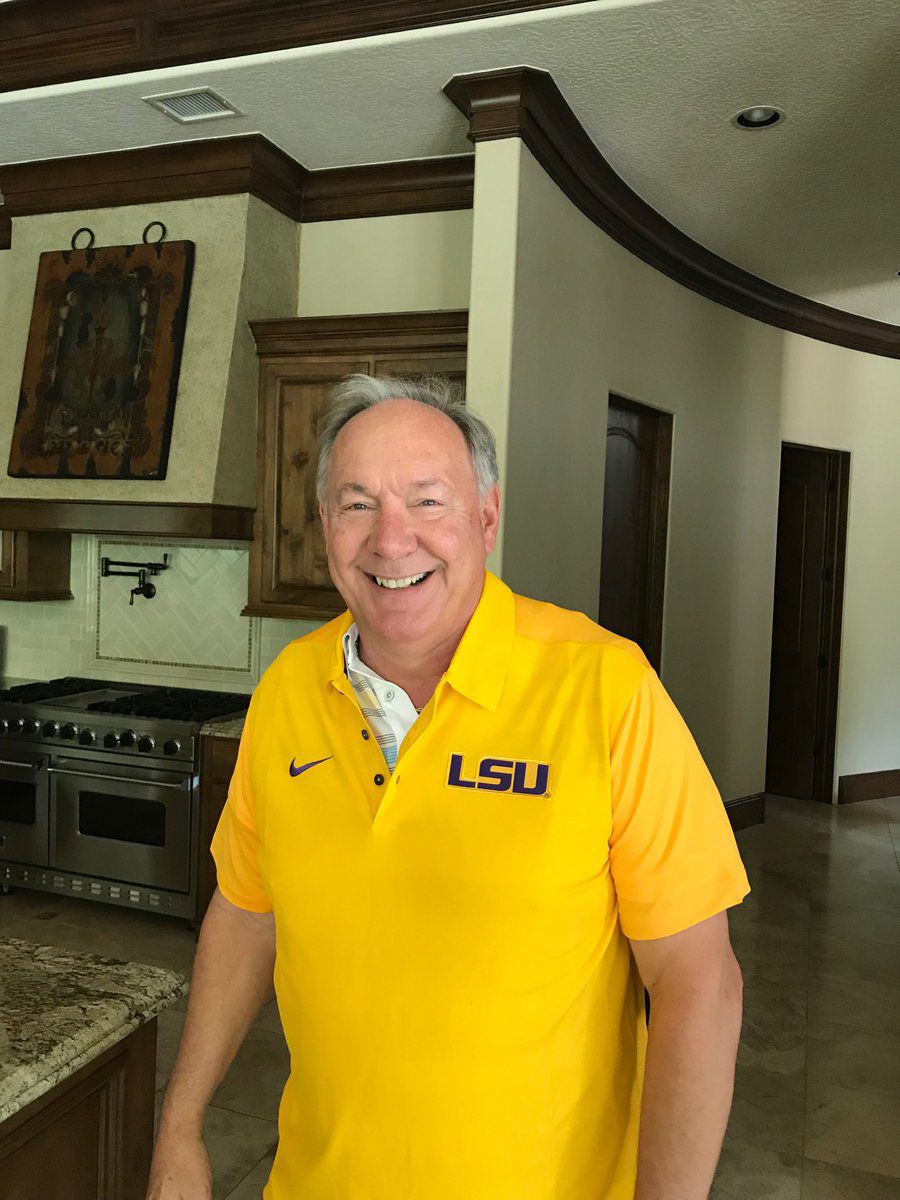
355	393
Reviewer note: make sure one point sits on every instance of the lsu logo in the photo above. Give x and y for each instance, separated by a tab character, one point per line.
501	775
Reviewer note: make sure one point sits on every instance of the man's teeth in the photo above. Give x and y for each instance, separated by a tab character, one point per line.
399	583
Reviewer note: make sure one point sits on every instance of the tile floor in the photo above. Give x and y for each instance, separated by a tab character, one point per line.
817	1099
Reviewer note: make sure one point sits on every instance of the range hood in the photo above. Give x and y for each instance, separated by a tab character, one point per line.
246	268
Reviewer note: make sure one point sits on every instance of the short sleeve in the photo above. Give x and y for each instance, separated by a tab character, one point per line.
235	843
673	857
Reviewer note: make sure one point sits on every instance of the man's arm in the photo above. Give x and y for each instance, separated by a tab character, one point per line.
232	979
695	990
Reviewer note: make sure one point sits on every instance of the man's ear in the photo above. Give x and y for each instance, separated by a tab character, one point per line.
490	518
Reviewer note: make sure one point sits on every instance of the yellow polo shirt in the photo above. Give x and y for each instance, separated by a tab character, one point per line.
462	1009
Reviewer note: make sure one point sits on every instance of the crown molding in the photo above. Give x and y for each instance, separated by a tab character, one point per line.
225	166
365	333
44	42
526	103
174	171
386	189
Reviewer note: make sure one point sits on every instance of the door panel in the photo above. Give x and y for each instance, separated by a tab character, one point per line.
798	628
635	515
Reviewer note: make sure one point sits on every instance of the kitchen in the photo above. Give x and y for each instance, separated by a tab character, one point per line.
445	259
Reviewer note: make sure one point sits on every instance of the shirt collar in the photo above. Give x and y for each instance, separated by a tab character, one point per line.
478	668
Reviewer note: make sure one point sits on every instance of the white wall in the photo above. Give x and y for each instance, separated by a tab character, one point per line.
588	318
834	397
385	264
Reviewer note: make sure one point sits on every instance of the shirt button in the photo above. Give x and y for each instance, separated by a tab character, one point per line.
388	695
365	734
379	779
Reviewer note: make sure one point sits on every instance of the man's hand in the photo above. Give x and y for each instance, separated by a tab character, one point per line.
695	990
180	1169
232	979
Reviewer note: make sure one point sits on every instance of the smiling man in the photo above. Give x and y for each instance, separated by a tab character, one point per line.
466	829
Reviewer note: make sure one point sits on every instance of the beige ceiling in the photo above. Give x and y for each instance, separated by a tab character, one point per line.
812	204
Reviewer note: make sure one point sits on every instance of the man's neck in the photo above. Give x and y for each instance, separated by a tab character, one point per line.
415	669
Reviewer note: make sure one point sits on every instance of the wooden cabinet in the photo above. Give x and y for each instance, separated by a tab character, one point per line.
89	1137
218	756
300	361
34	566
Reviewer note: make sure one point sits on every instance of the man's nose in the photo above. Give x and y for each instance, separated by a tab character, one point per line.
393	535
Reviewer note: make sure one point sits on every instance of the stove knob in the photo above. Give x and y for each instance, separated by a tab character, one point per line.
50	728
15	725
30	728
4	726
111	741
146	743
171	746
128	738
68	731
87	737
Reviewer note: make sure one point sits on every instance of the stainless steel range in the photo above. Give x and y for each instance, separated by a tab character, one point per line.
99	789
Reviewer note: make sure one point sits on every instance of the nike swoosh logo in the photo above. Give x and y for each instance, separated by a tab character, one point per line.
295	770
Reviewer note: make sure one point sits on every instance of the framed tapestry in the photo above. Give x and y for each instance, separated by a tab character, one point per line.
102	362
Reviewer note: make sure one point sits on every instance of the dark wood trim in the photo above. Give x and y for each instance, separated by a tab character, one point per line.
51	41
387	189
838	504
175	171
218	521
746	811
872	785
363	334
231	165
526	103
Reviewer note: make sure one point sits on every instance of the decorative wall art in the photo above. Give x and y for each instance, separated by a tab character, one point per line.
102	361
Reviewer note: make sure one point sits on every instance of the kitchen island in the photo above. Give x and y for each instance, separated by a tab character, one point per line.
77	1072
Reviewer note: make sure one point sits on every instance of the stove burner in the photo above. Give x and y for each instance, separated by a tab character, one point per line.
53	689
175	704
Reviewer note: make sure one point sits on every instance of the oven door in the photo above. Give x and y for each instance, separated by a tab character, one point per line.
24	808
126	823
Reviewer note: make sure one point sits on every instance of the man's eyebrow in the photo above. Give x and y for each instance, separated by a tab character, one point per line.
358	489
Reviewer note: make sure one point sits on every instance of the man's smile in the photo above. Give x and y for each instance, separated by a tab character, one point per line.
401	583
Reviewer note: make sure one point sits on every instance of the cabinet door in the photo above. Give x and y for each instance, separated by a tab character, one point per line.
7	559
34	566
288	566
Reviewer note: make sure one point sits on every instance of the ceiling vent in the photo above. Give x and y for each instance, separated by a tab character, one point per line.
195	104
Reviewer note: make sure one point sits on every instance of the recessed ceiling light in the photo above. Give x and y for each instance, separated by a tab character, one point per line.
758	116
193	104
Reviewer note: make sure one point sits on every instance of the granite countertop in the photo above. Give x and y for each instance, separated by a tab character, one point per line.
228	727
60	1009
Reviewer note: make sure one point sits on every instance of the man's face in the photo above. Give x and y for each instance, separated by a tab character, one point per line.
403	503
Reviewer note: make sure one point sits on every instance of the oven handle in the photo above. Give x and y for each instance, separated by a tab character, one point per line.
28	766
184	786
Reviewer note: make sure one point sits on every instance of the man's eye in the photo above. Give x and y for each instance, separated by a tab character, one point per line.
356	506
432	502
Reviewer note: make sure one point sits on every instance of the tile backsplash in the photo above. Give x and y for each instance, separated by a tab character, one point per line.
190	634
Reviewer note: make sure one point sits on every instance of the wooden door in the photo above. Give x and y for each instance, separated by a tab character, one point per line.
300	361
635	523
809	573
